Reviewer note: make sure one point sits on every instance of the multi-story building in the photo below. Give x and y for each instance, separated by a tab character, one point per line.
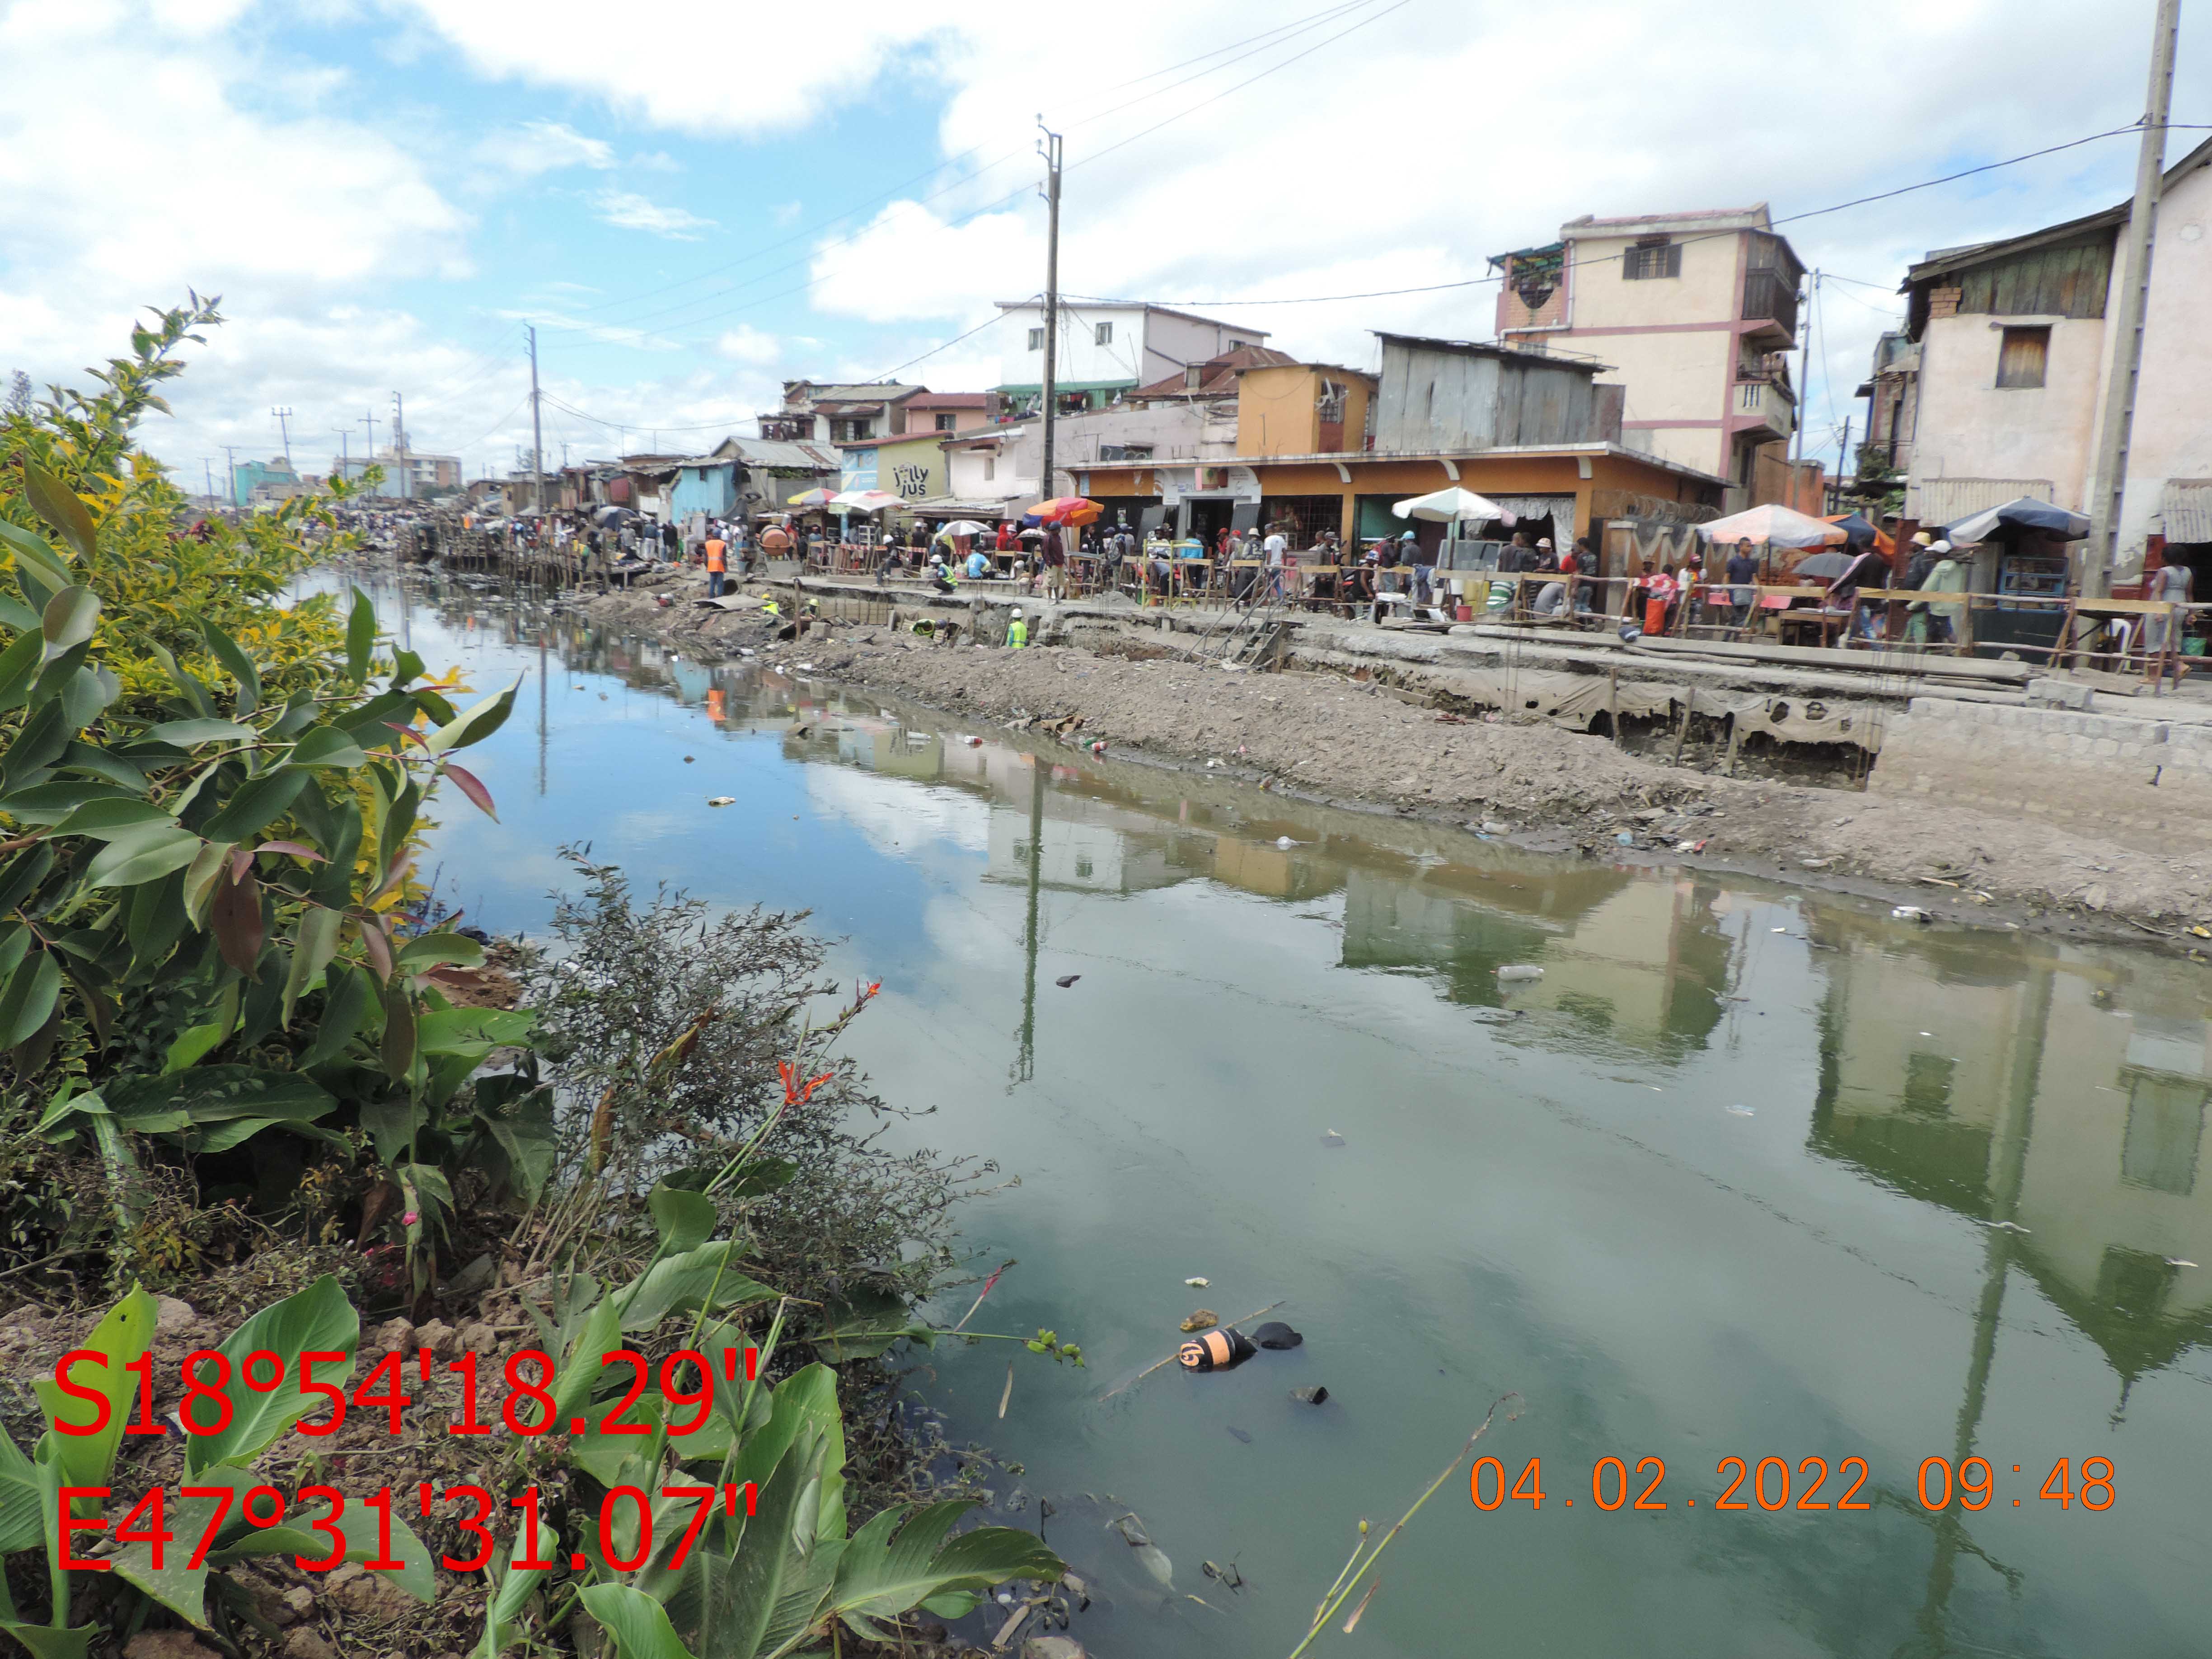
1105	349
1694	312
2014	357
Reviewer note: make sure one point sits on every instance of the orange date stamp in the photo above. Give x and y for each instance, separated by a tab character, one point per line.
1774	1484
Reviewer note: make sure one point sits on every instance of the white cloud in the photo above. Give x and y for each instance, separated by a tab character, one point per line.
629	211
747	345
537	147
907	263
534	42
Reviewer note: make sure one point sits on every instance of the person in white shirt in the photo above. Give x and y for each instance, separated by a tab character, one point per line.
1273	547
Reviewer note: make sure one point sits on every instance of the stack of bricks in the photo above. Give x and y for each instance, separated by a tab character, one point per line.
2144	783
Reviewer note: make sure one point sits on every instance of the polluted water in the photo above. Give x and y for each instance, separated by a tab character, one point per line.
1657	1276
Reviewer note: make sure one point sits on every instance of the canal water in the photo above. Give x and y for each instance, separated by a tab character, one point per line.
1745	1175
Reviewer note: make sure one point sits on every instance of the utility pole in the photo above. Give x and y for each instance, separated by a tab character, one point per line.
2117	427
1051	150
207	464
283	414
345	459
399	447
537	431
230	469
369	420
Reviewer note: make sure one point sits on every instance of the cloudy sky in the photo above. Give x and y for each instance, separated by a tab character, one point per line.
694	199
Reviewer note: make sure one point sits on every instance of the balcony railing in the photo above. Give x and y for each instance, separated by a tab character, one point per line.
1768	404
1767	298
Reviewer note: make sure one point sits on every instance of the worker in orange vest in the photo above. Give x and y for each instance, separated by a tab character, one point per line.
717	563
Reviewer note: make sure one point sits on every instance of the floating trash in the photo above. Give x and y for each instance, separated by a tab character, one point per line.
1199	1284
1519	970
1204	1320
1239	1433
721	800
1743	1111
1332	1139
1067	980
1278	1336
1316	1396
1909	913
1216	1351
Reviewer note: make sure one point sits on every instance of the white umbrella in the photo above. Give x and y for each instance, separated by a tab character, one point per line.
963	527
1776	526
865	500
1449	506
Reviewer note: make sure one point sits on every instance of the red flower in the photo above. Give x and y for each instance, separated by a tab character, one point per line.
795	1093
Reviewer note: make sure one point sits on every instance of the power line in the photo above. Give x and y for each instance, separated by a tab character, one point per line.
1810	213
1268	37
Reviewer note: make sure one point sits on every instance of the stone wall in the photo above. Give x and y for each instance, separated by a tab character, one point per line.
2146	783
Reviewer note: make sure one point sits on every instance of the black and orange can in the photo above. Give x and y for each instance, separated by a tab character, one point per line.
1215	1351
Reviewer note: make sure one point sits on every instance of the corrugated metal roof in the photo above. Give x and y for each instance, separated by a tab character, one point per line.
2186	505
1944	501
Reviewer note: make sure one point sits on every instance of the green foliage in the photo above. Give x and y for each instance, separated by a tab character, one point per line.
318	1318
208	803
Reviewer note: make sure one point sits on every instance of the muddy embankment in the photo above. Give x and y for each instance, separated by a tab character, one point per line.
1324	736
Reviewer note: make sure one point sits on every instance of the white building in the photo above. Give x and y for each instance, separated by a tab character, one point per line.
1105	348
2015	355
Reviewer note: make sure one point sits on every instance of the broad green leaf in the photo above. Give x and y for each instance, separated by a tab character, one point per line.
236	664
361	1528
119	1338
101	763
347	995
510	1592
317	942
474	1032
175	1585
880	1577
207	866
687	1282
28	1000
109	815
50	803
21	1528
582	1366
35	549
759	1176
19	666
685	1219
215	1094
186	734
476	722
326	747
361	636
60	507
740	1594
427	950
41	742
806	1402
69	620
525	1135
319	1317
143	853
192	1046
14	613
638	1624
259	803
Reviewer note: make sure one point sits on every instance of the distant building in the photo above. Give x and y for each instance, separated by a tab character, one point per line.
1695	311
260	484
2013	359
948	411
413	475
1290	408
836	414
1105	349
1893	391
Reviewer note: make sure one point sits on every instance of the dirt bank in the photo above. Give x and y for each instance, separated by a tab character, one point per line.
1327	737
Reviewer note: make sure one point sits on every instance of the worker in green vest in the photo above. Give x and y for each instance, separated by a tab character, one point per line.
1017	632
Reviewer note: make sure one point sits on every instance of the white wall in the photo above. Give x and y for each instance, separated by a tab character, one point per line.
2173	435
1146	347
1972	427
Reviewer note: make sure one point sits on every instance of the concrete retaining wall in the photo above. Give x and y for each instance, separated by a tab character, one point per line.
2145	783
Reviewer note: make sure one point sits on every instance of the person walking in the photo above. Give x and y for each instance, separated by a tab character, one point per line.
1056	562
1743	587
717	564
2170	583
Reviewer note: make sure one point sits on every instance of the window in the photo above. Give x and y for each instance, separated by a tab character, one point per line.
2166	1122
848	431
2022	358
990	467
1103	334
946	423
1036	339
1237	345
1657	257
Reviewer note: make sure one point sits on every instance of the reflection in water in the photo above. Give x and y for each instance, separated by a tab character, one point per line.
1895	1089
